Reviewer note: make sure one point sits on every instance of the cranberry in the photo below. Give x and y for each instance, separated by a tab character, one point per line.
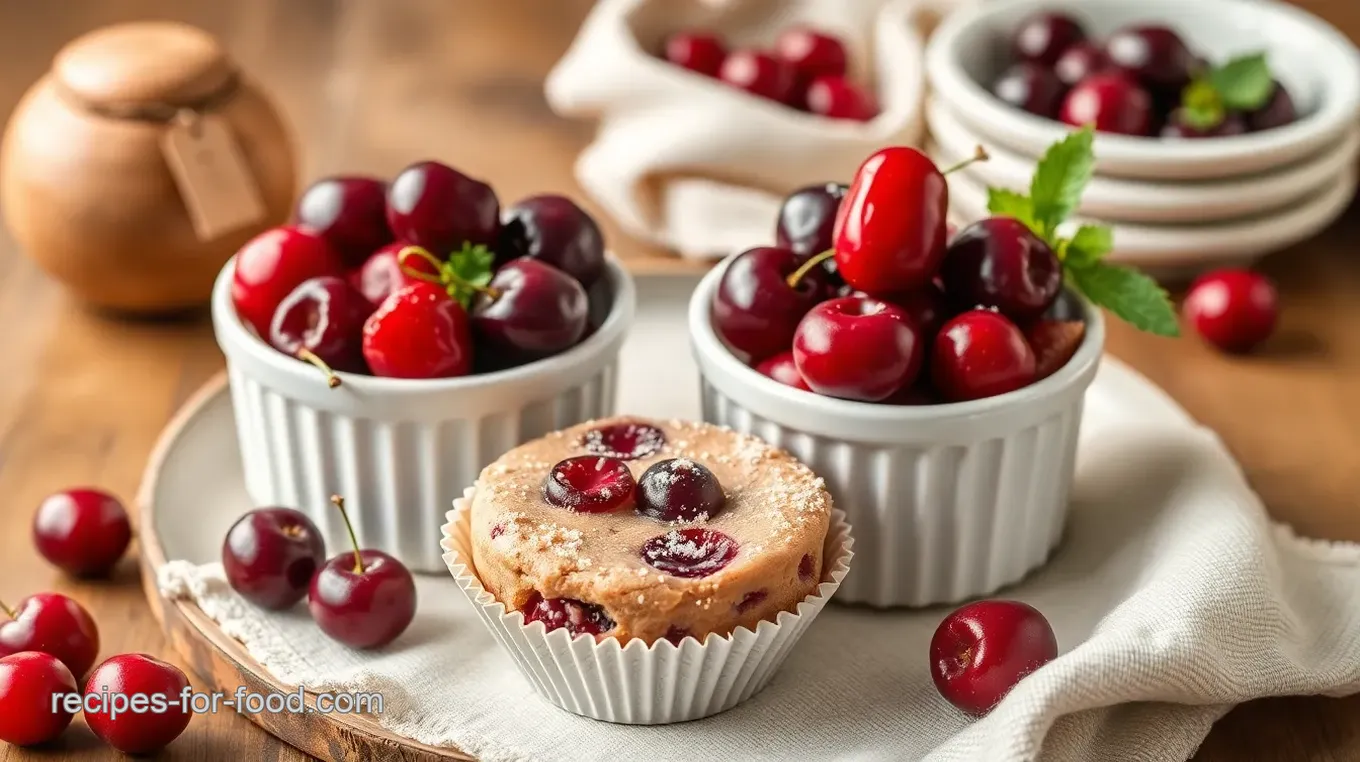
1112	102
589	484
999	262
1079	62
807	219
697	51
32	687
692	552
839	98
384	272
362	598
857	348
270	554
556	231
980	354
1043	37
1177	127
1154	55
783	369
751	600
1054	342
271	265
1278	111
980	652
1233	309
536	310
578	617
419	332
441	209
1032	87
811	53
321	322
807	567
82	531
349	212
760	74
165	688
755	310
679	490
624	441
55	625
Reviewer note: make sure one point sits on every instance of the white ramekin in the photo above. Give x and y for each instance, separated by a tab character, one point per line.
948	502
399	450
637	683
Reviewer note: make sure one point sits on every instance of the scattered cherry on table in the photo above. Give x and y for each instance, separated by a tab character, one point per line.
31	712
131	675
52	624
1233	309
82	531
982	650
270	554
363	598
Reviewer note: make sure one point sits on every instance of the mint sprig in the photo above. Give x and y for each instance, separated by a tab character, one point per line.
1242	84
1055	193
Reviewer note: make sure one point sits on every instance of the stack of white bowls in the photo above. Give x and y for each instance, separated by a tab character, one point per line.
1177	207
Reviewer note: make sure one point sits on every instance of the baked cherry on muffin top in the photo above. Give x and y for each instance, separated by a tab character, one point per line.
632	528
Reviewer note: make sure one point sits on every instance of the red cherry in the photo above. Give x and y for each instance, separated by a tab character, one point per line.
980	354
439	208
33	687
999	262
384	272
537	310
321	322
1112	102
419	332
783	369
363	598
1154	55
624	441
270	554
82	531
166	690
271	265
699	52
557	232
857	348
761	74
1054	343
1233	309
578	617
349	212
679	489
839	98
55	625
692	552
812	54
1031	87
1079	62
1177	127
755	310
1043	37
589	484
981	651
1278	111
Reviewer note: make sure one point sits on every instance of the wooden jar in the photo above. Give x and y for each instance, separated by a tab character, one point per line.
135	168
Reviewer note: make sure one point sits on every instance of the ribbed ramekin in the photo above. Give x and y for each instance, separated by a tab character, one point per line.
400	450
637	683
948	502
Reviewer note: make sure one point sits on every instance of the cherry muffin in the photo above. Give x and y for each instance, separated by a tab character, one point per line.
629	528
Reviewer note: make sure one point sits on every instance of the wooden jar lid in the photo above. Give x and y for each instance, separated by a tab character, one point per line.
152	63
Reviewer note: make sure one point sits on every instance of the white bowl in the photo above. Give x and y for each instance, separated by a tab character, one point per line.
1317	63
400	450
948	502
1148	201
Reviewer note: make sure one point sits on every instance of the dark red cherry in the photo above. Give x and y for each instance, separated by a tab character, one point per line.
1079	62
1154	55
536	311
692	552
419	332
811	53
624	441
807	218
441	209
362	598
1111	102
1043	37
858	348
999	262
554	230
755	310
1177	127
1031	87
578	617
323	319
349	212
83	531
760	74
927	308
699	52
838	98
271	265
383	273
1278	111
589	484
679	490
270	554
783	369
981	354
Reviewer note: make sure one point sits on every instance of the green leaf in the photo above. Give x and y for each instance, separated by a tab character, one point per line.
468	270
1202	106
1244	84
1017	206
1133	297
1060	178
1088	246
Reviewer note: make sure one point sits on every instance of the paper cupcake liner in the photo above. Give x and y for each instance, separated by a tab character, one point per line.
638	684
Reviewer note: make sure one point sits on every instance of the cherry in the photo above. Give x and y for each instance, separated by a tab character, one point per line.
980	652
1110	101
364	598
385	272
1278	111
556	231
760	74
82	531
55	625
129	675
697	51
321	322
349	212
533	310
807	218
1054	342
857	348
692	552
440	208
980	354
839	98
1042	37
32	690
1154	55
926	307
578	617
419	332
270	554
1177	127
783	369
1079	62
1232	309
271	265
756	309
811	53
679	490
589	484
1032	87
999	262
624	441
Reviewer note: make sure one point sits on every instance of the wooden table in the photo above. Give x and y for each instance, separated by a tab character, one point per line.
83	397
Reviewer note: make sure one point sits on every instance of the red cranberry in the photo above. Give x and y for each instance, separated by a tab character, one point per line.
839	98
270	554
578	617
692	552
384	272
55	625
537	310
755	310
32	690
679	489
419	332
751	600
697	51
624	441
166	689
982	650
1233	309
760	74
271	265
808	218
807	567
857	348
1154	55
1031	87
323	319
349	212
589	484
999	262
554	230
811	53
82	531
440	208
1043	37
1177	127
1112	102
1079	62
980	354
1054	343
1278	111
783	369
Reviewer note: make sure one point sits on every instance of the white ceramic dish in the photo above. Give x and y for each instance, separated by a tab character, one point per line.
401	450
1317	63
948	502
1147	201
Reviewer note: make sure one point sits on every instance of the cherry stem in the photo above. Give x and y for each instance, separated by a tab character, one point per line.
339	502
806	267
446	277
308	355
9	612
979	155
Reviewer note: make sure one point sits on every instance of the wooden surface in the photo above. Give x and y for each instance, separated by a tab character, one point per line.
371	85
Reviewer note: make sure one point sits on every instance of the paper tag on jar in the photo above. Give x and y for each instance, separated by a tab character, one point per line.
218	188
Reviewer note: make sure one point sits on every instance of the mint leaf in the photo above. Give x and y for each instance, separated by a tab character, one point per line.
468	270
1060	178
1244	84
1088	246
1202	106
1132	296
1017	206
